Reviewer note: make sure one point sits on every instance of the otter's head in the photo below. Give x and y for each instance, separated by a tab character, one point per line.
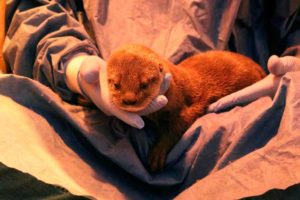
134	74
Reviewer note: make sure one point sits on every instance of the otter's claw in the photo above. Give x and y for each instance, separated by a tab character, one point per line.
157	158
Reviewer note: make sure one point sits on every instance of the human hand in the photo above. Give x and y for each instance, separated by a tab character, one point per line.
281	65
161	100
277	66
92	70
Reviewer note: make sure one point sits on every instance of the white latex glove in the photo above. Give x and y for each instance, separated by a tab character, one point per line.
85	70
277	66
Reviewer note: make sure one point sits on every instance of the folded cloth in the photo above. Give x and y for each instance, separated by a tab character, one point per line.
234	154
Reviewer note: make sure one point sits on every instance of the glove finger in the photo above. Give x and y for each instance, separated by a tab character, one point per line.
89	70
93	92
223	103
274	65
165	84
264	87
158	103
281	65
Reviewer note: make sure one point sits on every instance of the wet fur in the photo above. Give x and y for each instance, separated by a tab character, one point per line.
196	82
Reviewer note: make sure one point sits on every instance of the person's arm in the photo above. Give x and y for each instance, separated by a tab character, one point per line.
42	37
46	43
278	66
289	61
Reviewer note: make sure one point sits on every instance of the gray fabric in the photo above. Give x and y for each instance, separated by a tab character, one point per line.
42	36
263	28
172	28
86	152
268	137
232	154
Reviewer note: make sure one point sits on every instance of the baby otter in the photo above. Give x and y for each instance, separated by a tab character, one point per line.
135	74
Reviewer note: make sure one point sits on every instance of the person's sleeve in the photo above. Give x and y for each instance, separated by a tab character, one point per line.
287	17
42	37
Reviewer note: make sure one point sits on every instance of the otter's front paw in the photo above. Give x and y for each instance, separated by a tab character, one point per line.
157	157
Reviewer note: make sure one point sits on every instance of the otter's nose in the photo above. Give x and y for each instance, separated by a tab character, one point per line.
129	99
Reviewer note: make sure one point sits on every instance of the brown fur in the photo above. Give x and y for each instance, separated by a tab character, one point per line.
196	82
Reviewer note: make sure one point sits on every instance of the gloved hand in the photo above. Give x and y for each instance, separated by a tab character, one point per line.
91	70
277	66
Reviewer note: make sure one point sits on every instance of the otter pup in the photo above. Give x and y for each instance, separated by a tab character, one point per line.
135	73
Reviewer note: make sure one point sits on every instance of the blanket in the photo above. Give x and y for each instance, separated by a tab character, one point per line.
243	152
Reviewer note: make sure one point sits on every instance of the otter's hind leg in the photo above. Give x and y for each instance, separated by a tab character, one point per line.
170	132
191	113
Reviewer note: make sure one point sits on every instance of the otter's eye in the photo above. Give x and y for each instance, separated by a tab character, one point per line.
153	79
144	86
117	86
